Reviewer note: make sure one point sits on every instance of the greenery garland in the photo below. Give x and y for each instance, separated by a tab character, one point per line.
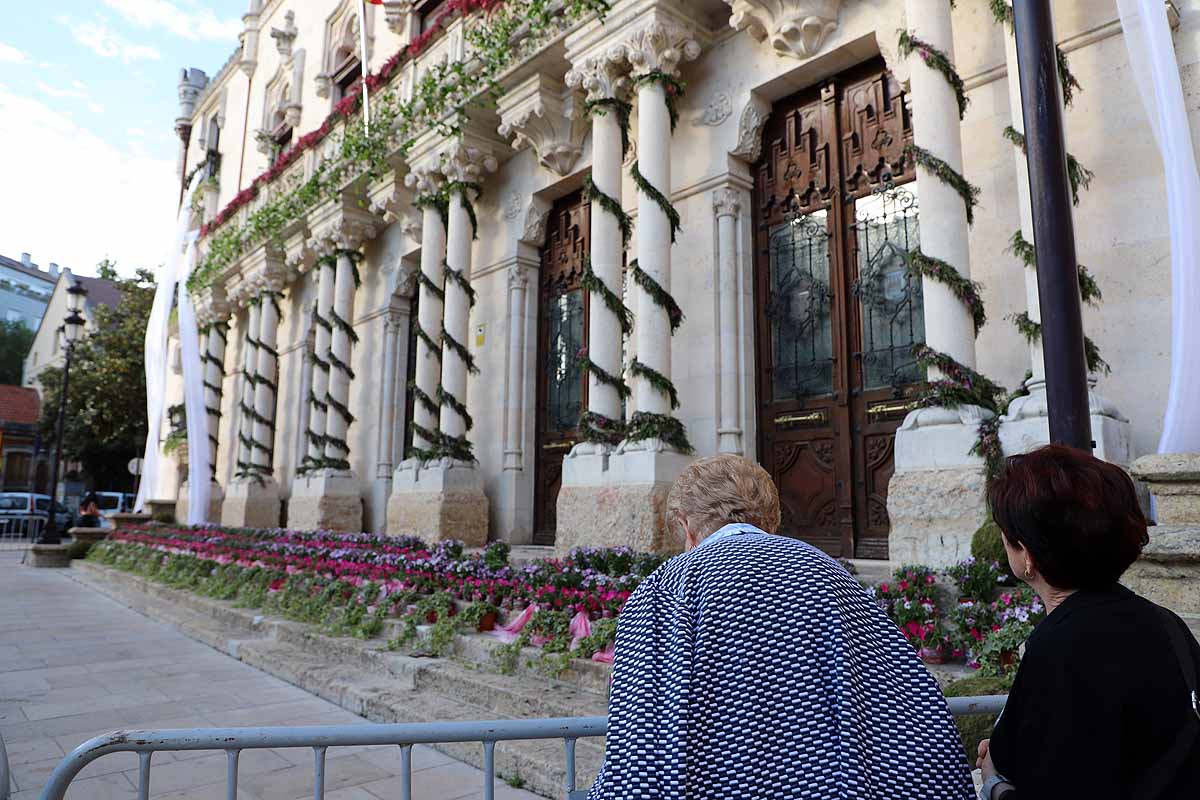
961	384
660	199
447	399
320	405
428	341
603	375
936	60
343	326
455	275
598	429
645	425
673	88
593	194
420	396
1066	79
590	282
599	108
459	349
1032	331
1079	176
342	366
967	291
661	383
428	285
659	295
947	175
439	201
463	189
1089	290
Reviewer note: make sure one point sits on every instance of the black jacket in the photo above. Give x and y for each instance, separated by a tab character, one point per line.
1098	698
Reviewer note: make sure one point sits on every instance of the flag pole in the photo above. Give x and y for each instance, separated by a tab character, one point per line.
362	43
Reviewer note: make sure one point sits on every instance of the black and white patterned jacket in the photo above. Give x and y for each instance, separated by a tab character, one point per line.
754	666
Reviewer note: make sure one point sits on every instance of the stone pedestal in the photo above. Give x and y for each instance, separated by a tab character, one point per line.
1169	570
439	500
216	500
1027	425
121	520
611	499
936	497
251	503
157	507
49	555
326	501
89	535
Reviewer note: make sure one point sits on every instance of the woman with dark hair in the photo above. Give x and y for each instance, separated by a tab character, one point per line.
1104	703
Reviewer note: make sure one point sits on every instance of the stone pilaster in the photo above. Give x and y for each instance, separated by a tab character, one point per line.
395	337
727	206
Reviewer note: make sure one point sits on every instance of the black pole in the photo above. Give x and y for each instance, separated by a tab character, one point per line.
50	532
1054	234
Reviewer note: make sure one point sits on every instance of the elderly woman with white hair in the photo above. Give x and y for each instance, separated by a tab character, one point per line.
754	666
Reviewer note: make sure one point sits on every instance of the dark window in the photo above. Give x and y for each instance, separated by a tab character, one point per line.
347	74
430	10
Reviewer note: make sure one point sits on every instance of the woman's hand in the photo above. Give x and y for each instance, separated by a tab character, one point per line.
984	762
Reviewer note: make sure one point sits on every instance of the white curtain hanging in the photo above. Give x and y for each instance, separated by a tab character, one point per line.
199	486
1152	57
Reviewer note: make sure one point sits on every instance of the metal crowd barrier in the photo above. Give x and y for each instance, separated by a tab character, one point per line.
320	738
26	526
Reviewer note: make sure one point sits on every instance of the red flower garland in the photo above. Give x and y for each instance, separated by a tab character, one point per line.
349	106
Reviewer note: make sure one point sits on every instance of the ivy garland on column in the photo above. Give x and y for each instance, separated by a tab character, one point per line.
252	471
1003	14
645	425
218	390
1079	176
440	202
960	385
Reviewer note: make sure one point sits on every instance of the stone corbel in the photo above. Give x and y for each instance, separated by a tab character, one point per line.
412	225
543	114
324	83
285	37
399	17
796	28
467	159
750	127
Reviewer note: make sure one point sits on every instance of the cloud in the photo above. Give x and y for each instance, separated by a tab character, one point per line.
135	132
11	55
78	91
106	43
201	24
124	210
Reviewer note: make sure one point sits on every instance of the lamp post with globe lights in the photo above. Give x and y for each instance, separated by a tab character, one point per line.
71	330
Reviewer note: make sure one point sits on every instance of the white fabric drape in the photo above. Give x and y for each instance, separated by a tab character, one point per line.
1152	57
199	486
156	353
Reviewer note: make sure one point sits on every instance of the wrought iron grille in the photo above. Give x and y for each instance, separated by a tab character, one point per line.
798	307
886	228
563	314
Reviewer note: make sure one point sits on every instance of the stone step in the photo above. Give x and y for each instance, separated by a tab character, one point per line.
383	686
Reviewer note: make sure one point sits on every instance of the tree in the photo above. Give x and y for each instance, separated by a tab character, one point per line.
15	340
106	401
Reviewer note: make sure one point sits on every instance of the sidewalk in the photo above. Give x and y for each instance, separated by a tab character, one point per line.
74	664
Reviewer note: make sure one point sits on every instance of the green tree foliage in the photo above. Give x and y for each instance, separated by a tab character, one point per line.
15	340
106	400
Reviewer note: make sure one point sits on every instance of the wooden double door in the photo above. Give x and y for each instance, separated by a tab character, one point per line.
562	336
837	315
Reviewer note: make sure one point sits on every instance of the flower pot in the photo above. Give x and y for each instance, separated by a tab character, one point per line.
487	622
1008	660
933	655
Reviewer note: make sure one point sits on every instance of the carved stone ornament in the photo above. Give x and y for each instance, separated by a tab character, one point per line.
727	202
424	178
467	163
719	109
795	28
285	37
411	224
512	205
518	276
750	127
602	76
398	14
346	231
536	221
661	45
542	114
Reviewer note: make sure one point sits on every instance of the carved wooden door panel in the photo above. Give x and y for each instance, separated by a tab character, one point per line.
837	317
562	334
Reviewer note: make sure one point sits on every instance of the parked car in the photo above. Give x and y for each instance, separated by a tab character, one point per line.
24	513
111	503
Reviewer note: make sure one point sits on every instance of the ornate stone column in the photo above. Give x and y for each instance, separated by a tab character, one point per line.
318	407
327	495
394	324
245	460
935	495
266	386
446	499
727	205
514	442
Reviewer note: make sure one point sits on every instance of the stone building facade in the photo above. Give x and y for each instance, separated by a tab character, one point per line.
570	256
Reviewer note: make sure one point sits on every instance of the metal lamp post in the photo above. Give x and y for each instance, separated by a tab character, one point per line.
71	329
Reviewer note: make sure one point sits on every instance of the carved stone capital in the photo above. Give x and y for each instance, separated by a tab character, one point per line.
285	37
467	162
212	305
661	45
347	228
543	114
602	75
750	126
518	277
425	178
727	202
795	28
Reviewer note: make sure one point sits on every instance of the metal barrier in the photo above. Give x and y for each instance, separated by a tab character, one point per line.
234	740
26	526
5	778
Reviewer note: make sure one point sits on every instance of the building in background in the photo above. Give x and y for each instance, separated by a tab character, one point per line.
25	290
466	329
47	343
24	465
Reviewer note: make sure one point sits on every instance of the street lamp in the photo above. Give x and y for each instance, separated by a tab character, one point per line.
71	329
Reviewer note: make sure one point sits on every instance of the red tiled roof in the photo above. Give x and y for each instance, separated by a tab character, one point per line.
19	404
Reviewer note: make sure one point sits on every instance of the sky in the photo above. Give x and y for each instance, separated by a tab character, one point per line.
88	101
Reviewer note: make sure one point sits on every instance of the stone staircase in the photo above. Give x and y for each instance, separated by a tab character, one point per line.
364	677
